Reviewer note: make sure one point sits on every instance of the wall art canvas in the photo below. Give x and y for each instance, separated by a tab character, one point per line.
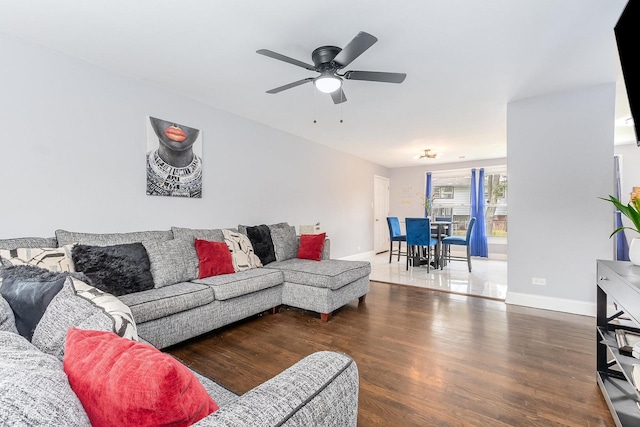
174	159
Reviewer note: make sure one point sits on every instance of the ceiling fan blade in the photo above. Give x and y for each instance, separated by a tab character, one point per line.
361	42
338	96
275	55
290	85
375	76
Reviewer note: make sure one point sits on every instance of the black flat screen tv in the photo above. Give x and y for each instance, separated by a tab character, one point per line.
627	31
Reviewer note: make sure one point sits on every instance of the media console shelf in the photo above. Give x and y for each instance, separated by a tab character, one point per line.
618	286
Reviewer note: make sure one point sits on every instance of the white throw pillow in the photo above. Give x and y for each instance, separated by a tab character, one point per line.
241	249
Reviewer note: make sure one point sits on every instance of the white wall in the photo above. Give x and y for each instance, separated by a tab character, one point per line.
560	160
72	156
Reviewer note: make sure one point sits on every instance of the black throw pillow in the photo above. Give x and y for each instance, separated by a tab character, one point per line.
260	238
29	290
118	269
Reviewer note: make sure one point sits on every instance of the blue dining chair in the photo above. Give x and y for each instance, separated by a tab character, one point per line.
419	241
459	241
395	235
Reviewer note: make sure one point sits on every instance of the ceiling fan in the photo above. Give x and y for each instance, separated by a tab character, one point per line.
329	60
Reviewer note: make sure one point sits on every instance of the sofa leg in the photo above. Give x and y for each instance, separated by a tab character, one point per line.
362	298
275	310
325	316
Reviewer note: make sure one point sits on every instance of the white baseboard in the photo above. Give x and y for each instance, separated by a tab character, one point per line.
583	308
358	257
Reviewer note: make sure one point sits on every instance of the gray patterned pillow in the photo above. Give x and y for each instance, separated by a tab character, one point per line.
7	319
29	242
285	241
34	389
119	312
108	239
69	309
212	234
172	261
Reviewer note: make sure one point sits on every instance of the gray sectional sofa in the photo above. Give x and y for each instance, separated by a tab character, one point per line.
326	383
174	313
320	390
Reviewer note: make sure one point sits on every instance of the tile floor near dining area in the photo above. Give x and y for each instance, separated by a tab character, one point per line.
488	277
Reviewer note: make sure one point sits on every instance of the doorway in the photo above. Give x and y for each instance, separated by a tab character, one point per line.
380	212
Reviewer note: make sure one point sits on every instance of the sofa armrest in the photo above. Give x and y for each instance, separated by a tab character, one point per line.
326	250
320	390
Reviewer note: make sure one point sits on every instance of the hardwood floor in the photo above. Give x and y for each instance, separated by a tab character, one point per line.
426	358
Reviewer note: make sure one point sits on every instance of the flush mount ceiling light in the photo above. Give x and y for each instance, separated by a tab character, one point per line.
327	82
427	154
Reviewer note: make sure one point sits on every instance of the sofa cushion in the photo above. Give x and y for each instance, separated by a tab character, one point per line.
123	382
85	307
241	283
118	269
7	319
107	239
311	246
29	290
65	237
214	258
54	259
285	241
157	303
242	254
35	397
331	273
29	242
212	235
172	261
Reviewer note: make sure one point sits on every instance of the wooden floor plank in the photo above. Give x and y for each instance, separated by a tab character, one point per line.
426	358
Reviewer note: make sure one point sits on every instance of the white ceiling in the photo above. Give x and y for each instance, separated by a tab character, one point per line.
464	59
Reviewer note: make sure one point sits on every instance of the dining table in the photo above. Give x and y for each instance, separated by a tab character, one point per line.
442	227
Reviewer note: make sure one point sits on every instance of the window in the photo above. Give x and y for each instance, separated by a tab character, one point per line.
495	196
443	192
452	198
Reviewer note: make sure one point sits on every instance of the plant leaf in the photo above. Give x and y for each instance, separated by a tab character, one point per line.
631	211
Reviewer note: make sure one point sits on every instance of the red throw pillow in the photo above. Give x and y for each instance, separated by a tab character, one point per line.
311	246
214	258
123	382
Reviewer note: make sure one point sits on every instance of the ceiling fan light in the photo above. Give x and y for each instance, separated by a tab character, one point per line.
327	84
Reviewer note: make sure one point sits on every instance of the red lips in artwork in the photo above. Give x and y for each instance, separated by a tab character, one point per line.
174	133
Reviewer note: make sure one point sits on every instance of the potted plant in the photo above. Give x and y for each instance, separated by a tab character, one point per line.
631	211
428	206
